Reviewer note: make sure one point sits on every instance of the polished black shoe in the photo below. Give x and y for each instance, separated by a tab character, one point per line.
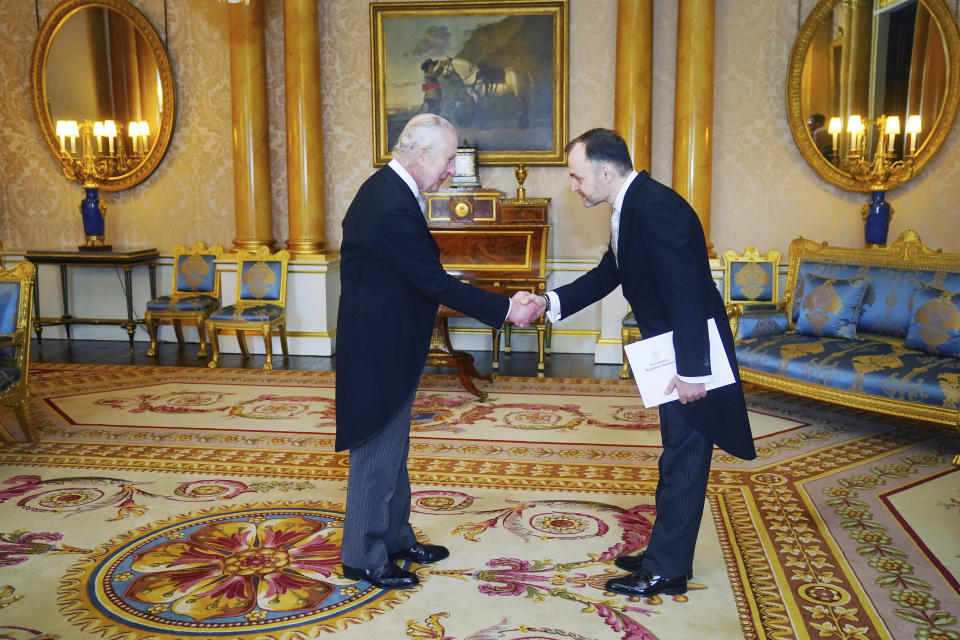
389	576
643	584
421	553
635	563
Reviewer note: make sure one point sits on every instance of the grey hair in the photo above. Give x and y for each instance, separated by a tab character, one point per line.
423	130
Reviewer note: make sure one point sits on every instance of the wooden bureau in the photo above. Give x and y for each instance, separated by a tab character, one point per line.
496	243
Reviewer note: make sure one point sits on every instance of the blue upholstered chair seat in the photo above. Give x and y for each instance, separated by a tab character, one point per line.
260	312
197	302
860	366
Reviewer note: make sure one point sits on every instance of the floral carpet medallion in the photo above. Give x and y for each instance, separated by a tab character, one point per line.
223	572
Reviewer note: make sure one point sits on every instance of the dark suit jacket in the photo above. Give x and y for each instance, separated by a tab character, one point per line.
665	273
391	282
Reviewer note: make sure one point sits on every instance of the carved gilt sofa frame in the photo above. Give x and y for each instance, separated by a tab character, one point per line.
904	262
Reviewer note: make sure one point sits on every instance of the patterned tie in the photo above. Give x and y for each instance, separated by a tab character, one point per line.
615	232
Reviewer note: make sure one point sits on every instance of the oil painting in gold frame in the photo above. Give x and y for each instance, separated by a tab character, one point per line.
496	70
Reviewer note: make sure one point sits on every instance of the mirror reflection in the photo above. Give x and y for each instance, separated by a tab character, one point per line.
874	80
101	74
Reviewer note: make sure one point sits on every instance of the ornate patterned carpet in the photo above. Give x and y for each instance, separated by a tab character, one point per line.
180	503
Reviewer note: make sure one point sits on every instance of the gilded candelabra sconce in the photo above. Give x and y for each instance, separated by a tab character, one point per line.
100	155
881	172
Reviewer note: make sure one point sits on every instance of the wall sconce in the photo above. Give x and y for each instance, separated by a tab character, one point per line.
90	163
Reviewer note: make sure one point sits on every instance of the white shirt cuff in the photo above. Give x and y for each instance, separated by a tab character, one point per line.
694	379
554	314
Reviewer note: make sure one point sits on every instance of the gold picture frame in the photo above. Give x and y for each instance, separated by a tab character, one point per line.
496	70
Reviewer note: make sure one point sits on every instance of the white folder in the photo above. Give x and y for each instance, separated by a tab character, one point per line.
654	364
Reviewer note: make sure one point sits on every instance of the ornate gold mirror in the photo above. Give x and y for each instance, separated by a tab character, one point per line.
873	89
103	92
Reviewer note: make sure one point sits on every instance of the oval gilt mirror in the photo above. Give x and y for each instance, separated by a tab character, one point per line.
100	61
895	64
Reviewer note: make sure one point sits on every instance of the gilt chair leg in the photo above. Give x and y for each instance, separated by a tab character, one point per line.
625	367
242	341
178	329
151	323
22	411
267	346
283	340
202	333
214	346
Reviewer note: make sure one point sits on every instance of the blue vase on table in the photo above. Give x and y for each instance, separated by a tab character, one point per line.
92	212
877	221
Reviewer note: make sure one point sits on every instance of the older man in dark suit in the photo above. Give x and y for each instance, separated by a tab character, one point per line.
391	282
658	254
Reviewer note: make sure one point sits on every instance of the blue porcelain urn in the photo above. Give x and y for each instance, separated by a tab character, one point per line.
878	219
91	212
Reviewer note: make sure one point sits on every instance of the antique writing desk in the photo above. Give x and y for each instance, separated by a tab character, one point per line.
497	243
126	260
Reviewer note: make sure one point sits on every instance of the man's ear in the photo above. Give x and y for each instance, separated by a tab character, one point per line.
422	153
606	172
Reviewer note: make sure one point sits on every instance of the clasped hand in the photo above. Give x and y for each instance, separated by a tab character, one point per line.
525	308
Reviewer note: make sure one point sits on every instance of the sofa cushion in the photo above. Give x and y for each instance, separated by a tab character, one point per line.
935	321
862	366
886	305
830	306
756	324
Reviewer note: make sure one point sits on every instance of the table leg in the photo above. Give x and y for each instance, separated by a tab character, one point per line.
541	330
153	280
496	354
37	327
66	300
131	326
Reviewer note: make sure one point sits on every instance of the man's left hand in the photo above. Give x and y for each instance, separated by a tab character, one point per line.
689	391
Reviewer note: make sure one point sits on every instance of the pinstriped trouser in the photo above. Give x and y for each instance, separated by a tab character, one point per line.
681	491
378	495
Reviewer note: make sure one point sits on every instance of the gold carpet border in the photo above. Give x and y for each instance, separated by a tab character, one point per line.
77	578
50	376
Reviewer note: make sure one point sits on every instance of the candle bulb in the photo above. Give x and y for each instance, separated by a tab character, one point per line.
144	132
913	129
99	133
110	130
892	130
62	134
854	126
834	130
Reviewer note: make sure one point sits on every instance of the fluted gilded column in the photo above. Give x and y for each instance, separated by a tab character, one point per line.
693	109
633	101
301	57
251	142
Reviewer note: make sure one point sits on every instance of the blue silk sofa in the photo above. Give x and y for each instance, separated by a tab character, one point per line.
874	328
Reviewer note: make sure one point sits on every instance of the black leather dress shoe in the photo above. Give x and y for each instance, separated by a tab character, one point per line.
421	553
389	576
635	563
643	584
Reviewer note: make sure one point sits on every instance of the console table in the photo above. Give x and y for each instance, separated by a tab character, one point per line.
126	260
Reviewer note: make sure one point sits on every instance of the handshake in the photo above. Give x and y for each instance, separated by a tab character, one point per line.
525	307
